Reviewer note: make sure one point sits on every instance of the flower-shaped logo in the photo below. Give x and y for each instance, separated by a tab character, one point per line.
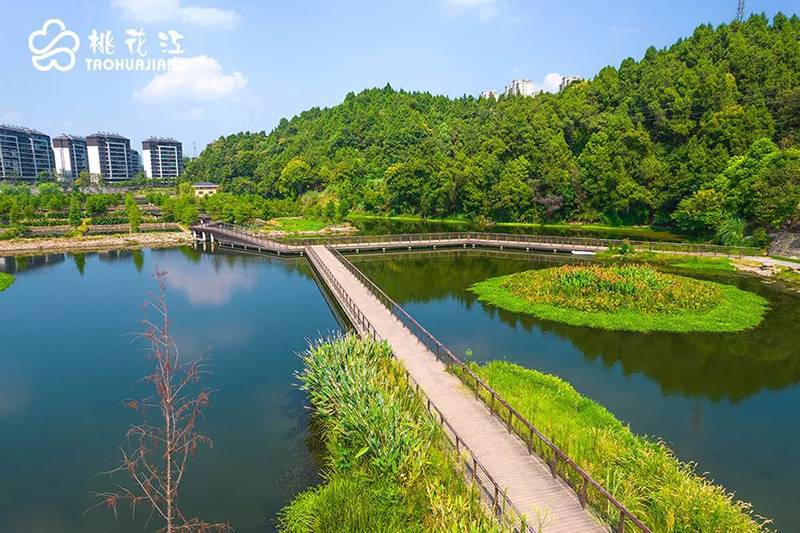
55	54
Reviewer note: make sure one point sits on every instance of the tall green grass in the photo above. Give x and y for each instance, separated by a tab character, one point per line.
666	494
389	466
5	281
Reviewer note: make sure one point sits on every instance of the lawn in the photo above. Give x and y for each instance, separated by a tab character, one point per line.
296	225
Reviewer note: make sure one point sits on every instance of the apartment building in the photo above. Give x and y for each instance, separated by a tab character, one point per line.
71	156
24	153
162	158
110	156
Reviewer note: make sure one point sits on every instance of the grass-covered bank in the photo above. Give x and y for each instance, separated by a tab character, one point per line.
389	466
5	281
667	495
682	261
624	297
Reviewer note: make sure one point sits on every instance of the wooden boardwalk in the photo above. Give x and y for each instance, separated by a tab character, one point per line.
527	479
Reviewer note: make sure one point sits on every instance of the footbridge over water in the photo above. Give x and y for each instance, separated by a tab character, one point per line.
518	471
238	237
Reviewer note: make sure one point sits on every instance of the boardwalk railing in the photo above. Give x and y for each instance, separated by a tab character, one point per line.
501	507
590	492
247	236
533	240
467	238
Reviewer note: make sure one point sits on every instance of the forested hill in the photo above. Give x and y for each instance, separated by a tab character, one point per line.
694	136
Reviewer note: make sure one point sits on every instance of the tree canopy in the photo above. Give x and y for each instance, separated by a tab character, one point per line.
708	124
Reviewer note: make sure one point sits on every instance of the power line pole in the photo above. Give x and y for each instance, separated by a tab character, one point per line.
740	11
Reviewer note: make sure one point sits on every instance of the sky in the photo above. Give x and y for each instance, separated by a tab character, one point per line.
243	65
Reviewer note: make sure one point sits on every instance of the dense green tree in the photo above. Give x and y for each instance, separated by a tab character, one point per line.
715	111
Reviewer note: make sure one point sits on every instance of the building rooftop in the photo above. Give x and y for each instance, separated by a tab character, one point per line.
161	140
68	137
107	134
205	184
20	129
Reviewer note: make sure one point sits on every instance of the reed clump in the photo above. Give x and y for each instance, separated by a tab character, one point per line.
389	466
665	493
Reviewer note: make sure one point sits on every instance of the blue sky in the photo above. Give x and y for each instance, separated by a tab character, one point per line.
255	61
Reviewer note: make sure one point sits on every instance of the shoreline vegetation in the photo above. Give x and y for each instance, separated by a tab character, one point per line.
643	231
6	280
34	245
643	474
624	298
388	465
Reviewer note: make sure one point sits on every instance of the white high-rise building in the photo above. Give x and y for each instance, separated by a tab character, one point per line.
162	158
109	156
520	87
490	94
568	80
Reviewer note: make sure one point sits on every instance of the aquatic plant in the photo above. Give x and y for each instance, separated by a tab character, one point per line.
5	281
389	466
665	493
624	296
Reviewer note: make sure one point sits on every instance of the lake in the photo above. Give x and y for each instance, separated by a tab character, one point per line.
728	401
66	364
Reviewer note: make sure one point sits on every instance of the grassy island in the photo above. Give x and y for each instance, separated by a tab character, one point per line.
389	466
624	297
5	281
666	494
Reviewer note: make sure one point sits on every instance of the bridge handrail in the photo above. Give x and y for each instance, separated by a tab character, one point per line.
520	238
471	379
241	232
494	491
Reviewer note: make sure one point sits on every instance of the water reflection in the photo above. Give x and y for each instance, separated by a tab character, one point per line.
730	402
22	263
729	366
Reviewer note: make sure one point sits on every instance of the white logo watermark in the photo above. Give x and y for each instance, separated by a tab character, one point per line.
103	48
50	50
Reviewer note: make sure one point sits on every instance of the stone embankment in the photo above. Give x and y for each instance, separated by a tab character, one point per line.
94	243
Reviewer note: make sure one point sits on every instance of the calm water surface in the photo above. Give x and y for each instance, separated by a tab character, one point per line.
66	365
727	401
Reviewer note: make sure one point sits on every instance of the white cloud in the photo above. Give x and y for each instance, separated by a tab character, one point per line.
11	116
151	11
198	77
551	82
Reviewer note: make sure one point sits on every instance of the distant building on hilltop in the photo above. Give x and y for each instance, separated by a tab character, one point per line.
110	156
490	94
520	87
71	156
568	80
24	153
162	158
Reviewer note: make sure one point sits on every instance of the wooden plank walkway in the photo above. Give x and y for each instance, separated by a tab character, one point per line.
527	479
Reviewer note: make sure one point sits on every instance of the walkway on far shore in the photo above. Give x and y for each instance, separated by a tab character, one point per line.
527	478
